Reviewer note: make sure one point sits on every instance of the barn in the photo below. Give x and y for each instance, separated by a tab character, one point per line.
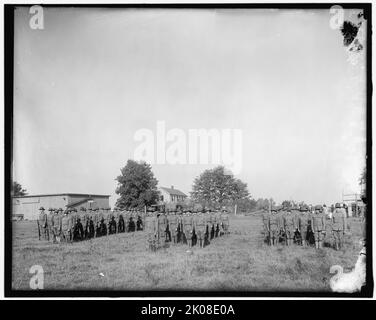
28	206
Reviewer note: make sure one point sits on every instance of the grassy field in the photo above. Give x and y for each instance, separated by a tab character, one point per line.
238	261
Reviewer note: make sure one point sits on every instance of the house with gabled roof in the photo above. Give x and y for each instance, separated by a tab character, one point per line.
171	195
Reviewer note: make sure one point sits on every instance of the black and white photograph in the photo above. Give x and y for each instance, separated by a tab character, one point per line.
188	150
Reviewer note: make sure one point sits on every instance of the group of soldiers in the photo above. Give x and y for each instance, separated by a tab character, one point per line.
302	226
193	227
189	226
75	225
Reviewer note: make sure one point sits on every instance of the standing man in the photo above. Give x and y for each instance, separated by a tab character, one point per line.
304	220
338	226
265	224
91	224
56	225
106	222
281	214
151	225
112	225
225	221
318	226
173	226
325	211
79	227
84	219
289	226
188	228
49	222
200	228
139	223
162	229
274	227
43	224
121	224
66	226
101	227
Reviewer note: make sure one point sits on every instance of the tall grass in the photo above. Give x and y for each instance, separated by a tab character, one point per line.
238	261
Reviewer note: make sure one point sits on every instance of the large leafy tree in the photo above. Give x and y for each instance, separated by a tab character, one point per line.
262	203
137	186
17	190
218	187
363	181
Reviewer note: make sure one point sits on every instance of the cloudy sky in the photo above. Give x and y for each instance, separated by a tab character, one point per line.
87	82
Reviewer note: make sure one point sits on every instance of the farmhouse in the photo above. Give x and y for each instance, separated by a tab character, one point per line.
28	206
171	195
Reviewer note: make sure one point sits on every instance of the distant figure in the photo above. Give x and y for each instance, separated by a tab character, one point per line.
304	222
43	224
326	212
338	226
139	224
289	226
274	227
318	226
131	225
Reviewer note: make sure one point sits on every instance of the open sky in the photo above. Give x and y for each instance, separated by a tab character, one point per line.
87	82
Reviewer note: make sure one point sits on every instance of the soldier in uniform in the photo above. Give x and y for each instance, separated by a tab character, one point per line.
49	222
131	222
105	221
127	216
212	225
289	226
66	226
56	225
217	223
281	212
97	222
101	227
74	218
265	223
84	219
121	224
162	228
296	213
91	224
318	226
179	234
151	226
173	226
338	226
139	223
116	215
199	225
112	224
79	234
304	218
188	228
43	224
274	227
225	221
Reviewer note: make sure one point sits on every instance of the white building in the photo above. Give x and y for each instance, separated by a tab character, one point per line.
171	195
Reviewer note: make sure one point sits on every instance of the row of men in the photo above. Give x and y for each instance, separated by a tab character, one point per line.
290	223
191	227
73	225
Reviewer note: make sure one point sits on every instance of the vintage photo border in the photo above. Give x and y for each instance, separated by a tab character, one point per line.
8	152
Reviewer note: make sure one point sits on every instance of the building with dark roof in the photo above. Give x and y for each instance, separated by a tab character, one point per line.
28	206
